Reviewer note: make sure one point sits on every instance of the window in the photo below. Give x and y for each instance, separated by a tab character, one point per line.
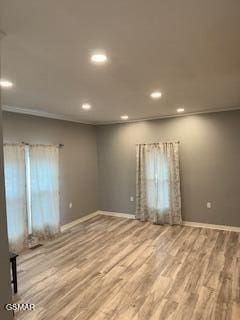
158	196
32	192
28	189
44	173
14	172
157	181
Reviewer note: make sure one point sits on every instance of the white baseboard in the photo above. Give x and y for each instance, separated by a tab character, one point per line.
117	214
72	224
132	216
185	223
211	226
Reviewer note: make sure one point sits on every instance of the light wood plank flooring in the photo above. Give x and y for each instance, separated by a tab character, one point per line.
114	268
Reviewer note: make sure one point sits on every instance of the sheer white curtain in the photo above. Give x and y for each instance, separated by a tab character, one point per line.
158	196
15	186
44	177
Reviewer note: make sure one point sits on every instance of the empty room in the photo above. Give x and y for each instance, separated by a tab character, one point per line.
120	160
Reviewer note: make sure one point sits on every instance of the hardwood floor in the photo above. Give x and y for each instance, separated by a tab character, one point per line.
114	268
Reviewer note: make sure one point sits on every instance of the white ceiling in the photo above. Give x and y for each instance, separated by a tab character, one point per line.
189	49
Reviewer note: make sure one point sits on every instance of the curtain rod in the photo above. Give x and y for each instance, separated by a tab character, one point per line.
144	144
41	144
60	145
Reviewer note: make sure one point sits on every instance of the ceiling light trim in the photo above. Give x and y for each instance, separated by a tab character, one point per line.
86	106
6	84
179	110
99	58
155	95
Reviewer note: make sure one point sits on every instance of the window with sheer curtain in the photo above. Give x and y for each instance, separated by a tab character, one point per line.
15	189
158	197
32	192
44	188
157	180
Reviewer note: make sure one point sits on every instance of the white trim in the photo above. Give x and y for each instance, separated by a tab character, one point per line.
185	223
186	114
132	216
43	114
116	214
211	226
72	224
40	113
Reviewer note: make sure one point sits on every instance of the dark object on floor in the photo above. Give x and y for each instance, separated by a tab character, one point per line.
35	246
13	261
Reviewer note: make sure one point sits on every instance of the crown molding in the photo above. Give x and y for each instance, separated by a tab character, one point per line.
49	115
186	114
42	114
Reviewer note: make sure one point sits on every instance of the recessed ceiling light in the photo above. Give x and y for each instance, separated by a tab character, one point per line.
5	83
156	95
86	106
180	110
99	58
124	117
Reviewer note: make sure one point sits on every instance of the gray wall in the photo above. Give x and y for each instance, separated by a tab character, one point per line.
78	158
210	164
209	154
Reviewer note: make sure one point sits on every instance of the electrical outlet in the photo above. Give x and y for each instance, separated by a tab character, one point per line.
131	198
70	205
209	205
